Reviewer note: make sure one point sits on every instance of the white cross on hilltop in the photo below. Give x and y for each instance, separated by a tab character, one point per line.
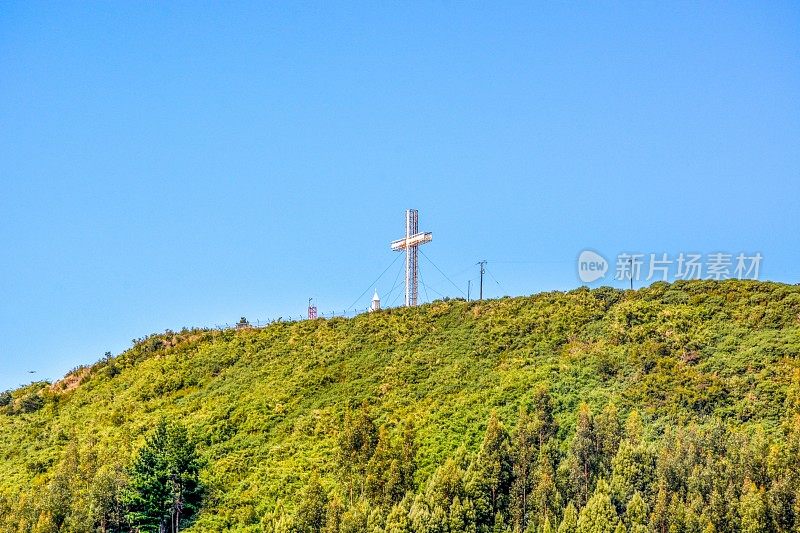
411	244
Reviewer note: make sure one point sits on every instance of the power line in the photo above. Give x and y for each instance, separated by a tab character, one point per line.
427	298
442	273
374	282
525	262
395	284
397	296
431	288
492	276
464	270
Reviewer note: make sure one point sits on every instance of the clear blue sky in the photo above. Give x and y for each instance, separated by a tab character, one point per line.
184	164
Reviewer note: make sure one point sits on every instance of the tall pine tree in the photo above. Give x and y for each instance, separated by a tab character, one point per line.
488	479
164	488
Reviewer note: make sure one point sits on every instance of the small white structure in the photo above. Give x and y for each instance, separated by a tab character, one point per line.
376	303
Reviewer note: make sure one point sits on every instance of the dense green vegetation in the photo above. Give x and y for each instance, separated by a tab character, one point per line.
670	408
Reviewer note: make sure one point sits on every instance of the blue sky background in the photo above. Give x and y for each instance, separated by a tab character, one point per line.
184	164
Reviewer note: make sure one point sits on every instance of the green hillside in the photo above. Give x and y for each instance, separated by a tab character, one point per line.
670	408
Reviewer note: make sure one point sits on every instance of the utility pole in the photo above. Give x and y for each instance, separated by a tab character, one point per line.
482	264
469	284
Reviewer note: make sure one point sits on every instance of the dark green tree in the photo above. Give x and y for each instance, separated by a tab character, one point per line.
659	518
445	485
632	470
599	514
398	519
608	434
63	486
547	527
390	470
382	480
462	516
784	469
542	409
636	514
583	450
333	515
312	511
356	518
164	489
357	441
488	479
545	500
524	450
408	456
753	509
107	509
569	522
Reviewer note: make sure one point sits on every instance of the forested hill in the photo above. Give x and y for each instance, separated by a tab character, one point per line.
669	408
